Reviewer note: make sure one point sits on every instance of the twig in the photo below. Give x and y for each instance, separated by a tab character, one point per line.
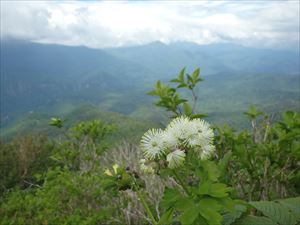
31	184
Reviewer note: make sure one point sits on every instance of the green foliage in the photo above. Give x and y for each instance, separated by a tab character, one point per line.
56	122
262	164
252	113
255	220
96	130
204	199
66	181
22	159
71	190
170	98
65	198
239	209
83	144
122	179
276	212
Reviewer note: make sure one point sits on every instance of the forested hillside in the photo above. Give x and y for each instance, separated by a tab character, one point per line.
56	79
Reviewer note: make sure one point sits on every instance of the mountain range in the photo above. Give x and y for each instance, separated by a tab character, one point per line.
56	79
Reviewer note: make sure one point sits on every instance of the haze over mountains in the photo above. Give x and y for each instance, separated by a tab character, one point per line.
51	78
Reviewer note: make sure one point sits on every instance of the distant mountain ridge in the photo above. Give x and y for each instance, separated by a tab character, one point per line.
38	77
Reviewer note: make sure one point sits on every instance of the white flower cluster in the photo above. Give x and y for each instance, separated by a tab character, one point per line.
181	136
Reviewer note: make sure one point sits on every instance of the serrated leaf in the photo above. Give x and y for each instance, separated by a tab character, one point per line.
210	213
229	218
255	220
189	215
293	204
217	190
276	212
201	220
212	170
227	203
210	203
183	203
170	197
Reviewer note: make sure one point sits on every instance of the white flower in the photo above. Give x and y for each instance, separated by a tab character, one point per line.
175	158
200	133
152	143
204	129
147	169
180	136
170	141
179	130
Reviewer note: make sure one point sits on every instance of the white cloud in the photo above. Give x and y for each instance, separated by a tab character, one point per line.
117	23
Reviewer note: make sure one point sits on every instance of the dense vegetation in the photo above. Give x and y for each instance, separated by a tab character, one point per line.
187	172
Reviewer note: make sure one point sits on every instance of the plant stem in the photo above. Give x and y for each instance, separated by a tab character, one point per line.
185	188
144	203
195	97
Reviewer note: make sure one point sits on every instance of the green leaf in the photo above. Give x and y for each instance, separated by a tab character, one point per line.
210	203
209	210
230	217
276	212
293	204
179	101
255	220
196	74
190	78
183	203
223	163
217	190
170	197
181	75
227	203
212	170
252	113
175	81
187	109
166	218
56	122
158	84
200	116
182	85
152	93
189	215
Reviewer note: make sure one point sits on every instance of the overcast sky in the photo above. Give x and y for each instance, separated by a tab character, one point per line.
272	24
